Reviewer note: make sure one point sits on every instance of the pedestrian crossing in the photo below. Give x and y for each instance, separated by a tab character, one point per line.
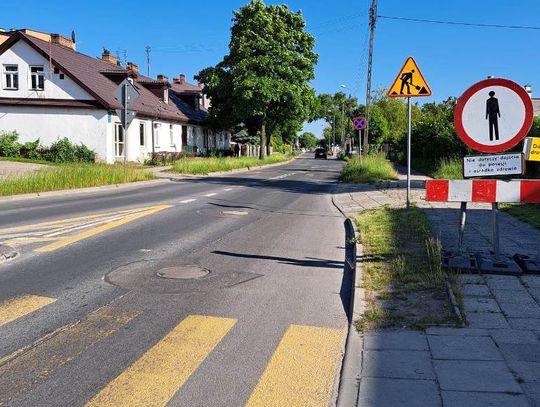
300	372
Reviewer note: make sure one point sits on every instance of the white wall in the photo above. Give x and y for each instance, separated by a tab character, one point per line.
24	55
86	126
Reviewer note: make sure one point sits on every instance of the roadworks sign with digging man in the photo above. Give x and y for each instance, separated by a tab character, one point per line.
409	82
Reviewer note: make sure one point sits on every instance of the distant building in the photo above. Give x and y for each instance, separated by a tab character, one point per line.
49	91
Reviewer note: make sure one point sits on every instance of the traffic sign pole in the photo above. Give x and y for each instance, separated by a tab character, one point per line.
408	152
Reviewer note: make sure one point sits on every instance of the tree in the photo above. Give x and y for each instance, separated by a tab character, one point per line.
265	77
338	110
308	140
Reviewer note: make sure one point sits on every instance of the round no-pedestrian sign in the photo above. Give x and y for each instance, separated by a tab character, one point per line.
493	115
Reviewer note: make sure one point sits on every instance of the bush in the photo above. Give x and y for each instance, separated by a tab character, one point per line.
167	158
31	150
9	147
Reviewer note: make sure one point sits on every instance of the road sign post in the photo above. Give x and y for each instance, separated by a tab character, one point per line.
126	94
409	83
359	123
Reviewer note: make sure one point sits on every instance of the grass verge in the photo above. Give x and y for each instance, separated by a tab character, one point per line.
368	169
402	277
69	176
207	165
528	213
27	160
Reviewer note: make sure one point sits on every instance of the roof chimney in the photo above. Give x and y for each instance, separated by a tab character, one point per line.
61	40
108	57
162	77
133	67
180	80
528	89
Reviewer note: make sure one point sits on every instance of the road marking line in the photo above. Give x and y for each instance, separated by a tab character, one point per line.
188	200
212	194
228	189
17	307
66	241
161	371
301	371
44	225
25	367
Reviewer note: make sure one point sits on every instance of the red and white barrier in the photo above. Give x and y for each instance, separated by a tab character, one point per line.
481	190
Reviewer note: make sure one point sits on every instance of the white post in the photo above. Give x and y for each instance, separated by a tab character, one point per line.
408	152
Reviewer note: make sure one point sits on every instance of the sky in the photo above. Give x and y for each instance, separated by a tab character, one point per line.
187	36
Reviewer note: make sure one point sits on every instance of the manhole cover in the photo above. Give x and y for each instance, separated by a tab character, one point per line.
182	272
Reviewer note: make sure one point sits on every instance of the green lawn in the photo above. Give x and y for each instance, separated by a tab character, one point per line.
402	276
368	169
69	176
207	165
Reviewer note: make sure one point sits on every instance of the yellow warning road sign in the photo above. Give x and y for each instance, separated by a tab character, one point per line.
531	148
409	82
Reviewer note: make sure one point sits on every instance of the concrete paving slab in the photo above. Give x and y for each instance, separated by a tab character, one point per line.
504	282
457	331
535	293
487	320
397	364
520	310
524	323
396	340
531	281
513	296
476	304
515	336
475	290
474	375
463	348
532	390
525	352
378	392
475	399
529	372
471	279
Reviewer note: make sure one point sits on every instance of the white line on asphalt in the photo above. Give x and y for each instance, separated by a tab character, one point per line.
212	194
283	176
228	189
187	200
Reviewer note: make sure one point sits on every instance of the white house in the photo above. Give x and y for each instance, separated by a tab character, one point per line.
50	91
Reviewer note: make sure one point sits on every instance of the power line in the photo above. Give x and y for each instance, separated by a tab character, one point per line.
420	20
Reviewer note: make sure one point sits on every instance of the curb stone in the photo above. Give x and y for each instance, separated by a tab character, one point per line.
6	253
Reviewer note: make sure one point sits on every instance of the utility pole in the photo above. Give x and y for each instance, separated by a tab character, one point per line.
147	48
372	22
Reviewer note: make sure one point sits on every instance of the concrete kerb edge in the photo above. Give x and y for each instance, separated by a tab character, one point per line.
351	366
6	253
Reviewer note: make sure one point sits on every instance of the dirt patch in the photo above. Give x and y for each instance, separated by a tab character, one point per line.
13	169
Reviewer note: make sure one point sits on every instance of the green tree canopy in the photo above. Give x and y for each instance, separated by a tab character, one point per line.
308	140
265	77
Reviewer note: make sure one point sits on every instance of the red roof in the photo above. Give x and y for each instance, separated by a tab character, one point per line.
93	74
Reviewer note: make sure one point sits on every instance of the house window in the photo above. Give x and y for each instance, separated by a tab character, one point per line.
171	135
37	78
142	134
119	141
184	135
11	77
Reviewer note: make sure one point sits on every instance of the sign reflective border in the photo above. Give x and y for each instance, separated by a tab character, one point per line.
493	115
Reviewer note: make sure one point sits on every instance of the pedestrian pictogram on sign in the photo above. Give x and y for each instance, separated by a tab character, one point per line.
409	82
493	115
359	123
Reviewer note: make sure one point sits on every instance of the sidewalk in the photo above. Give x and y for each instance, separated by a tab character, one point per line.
495	360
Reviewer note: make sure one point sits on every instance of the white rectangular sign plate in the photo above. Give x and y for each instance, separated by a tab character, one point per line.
493	165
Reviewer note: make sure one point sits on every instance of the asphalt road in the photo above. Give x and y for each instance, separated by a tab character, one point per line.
86	318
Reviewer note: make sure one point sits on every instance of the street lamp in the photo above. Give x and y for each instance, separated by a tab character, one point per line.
333	128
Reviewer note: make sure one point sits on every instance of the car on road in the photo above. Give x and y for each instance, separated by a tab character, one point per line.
320	152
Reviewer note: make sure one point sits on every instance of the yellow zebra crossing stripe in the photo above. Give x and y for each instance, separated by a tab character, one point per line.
301	371
15	308
161	371
34	363
66	241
